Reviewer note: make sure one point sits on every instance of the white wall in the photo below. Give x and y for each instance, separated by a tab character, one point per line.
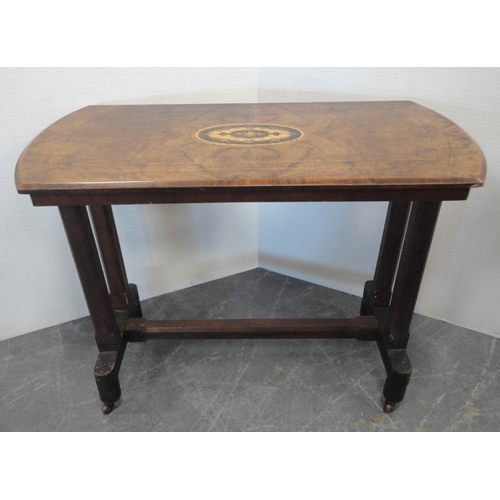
172	247
336	245
165	247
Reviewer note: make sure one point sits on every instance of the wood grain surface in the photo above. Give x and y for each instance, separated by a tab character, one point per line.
361	144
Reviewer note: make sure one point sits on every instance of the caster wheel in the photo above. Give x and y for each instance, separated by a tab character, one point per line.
107	409
389	407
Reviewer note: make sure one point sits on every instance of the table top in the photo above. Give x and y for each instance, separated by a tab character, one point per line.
388	144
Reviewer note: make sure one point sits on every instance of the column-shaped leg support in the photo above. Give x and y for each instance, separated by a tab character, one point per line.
108	336
396	327
124	296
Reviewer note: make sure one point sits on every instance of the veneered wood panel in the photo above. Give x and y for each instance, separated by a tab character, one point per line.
363	144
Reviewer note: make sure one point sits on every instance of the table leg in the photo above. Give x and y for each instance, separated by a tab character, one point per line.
124	296
108	334
377	293
396	327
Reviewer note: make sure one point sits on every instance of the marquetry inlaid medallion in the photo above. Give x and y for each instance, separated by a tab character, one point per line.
249	134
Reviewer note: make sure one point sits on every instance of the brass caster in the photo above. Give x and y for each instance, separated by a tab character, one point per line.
389	407
107	409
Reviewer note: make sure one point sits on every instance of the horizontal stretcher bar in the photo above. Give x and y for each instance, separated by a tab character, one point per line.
360	327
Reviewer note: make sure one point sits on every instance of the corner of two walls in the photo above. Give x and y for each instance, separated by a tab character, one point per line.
171	247
336	244
165	247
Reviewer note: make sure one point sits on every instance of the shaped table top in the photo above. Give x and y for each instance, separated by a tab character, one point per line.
363	145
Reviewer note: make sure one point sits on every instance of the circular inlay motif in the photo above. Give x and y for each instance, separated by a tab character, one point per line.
249	134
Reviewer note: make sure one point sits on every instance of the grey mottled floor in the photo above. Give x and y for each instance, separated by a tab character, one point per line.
46	379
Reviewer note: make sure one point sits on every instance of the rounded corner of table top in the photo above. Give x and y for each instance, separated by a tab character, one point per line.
361	145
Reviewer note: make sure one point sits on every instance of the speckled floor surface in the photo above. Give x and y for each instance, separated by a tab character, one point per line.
47	384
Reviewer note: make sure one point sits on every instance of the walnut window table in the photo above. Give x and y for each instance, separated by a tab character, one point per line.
399	152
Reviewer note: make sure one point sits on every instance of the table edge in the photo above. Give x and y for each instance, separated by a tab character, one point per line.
476	180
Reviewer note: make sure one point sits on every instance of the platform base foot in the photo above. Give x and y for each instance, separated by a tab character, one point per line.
106	372
398	368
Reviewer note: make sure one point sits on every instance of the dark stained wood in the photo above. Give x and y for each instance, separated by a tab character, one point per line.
394	311
396	361
250	194
83	247
136	308
361	328
347	144
390	247
398	368
109	245
377	293
106	371
419	233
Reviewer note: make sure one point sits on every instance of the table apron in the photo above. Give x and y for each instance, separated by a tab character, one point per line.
244	194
